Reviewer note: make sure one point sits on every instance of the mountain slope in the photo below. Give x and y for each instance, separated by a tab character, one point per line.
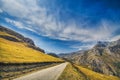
15	48
91	75
77	72
104	57
16	37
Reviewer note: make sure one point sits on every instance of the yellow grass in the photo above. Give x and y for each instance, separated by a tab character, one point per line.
17	52
96	76
6	34
70	73
81	73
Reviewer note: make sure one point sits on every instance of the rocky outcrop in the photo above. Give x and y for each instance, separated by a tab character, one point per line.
9	38
16	37
36	48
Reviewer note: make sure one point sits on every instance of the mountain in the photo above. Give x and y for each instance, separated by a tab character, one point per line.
19	38
15	48
70	56
53	54
104	58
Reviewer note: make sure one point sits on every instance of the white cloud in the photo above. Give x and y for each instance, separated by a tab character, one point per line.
83	47
115	38
36	18
15	23
18	8
102	32
9	20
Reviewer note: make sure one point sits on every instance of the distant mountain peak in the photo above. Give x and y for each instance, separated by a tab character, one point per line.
101	44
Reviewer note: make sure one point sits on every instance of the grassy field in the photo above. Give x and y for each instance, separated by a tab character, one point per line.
91	75
18	52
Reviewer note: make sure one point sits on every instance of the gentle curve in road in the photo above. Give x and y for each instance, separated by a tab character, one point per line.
51	73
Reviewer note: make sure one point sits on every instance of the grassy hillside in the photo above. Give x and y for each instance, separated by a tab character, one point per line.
91	75
104	58
75	72
70	73
19	52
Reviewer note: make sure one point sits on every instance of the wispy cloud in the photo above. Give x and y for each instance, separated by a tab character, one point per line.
15	23
36	18
102	32
83	47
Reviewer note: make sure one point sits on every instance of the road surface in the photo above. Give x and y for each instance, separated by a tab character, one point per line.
51	73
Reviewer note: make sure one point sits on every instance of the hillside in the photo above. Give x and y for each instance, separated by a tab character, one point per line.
77	72
91	75
15	48
104	58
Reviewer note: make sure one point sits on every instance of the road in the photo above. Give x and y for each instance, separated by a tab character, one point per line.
51	73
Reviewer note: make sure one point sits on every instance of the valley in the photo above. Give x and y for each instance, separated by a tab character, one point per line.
21	59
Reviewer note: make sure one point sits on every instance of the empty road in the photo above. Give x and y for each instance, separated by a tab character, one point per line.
51	73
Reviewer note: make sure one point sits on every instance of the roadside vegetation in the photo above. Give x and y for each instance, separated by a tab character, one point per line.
70	73
94	75
75	72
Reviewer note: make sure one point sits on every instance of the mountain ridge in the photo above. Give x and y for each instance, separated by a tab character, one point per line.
20	38
104	58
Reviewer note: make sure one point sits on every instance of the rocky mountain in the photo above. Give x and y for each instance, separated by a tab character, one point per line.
16	37
70	56
104	58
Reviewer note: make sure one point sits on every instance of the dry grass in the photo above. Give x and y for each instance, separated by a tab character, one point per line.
75	72
6	34
94	75
18	52
70	73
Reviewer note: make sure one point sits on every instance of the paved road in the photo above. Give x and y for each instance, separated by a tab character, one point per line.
51	73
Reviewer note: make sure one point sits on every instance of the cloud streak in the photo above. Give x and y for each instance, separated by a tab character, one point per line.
36	18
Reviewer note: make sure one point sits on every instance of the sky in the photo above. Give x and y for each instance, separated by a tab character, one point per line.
63	26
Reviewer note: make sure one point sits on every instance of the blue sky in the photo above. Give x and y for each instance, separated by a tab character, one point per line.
62	26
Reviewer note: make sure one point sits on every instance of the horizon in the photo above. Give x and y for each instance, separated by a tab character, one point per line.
60	26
